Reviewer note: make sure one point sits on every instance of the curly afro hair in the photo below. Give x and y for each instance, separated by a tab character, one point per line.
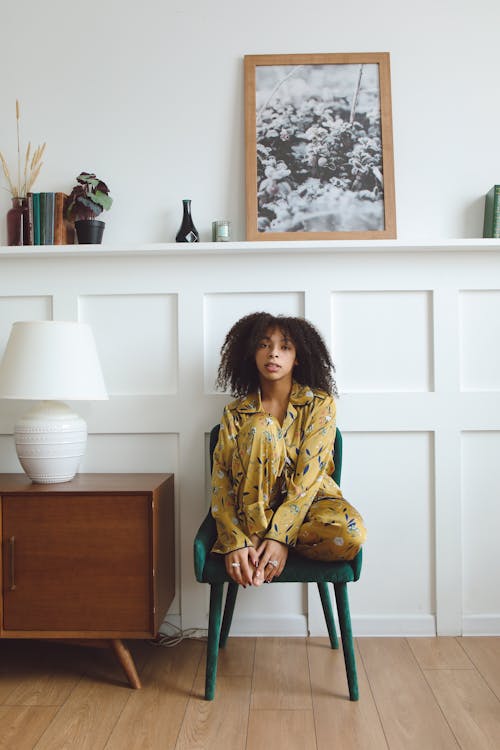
238	372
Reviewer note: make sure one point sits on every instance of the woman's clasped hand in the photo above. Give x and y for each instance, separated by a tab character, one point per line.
253	566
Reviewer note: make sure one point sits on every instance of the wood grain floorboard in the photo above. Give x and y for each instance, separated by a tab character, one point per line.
281	676
284	693
152	716
38	672
22	726
88	716
470	707
485	655
411	718
341	723
439	653
221	723
237	657
42	673
281	730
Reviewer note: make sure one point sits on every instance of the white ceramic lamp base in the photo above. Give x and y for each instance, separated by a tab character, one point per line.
50	442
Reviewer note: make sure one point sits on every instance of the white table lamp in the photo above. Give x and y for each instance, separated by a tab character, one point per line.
51	361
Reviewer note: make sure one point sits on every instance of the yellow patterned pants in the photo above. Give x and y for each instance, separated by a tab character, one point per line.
332	528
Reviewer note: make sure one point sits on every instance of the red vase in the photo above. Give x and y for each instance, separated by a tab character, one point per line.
18	223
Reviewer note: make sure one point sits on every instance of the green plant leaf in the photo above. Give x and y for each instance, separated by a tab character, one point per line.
102	199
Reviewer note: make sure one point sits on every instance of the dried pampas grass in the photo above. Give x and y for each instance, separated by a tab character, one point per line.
32	164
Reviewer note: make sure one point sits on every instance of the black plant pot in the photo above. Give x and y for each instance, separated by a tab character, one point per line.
89	231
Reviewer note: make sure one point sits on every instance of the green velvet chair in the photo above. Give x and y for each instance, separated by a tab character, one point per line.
209	568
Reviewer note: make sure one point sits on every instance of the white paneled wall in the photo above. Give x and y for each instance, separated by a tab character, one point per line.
125	320
399	513
383	340
481	493
414	330
480	340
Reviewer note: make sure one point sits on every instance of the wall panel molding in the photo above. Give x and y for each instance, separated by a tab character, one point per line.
418	397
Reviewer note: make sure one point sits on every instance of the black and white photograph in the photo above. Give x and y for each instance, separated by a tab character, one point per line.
321	148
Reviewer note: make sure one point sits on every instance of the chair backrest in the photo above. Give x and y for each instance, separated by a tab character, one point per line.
337	451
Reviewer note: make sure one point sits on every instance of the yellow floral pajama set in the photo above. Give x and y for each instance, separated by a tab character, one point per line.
275	480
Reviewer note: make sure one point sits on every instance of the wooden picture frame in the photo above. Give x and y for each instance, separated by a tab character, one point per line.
319	151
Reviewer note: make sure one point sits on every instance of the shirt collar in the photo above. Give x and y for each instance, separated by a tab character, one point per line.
300	395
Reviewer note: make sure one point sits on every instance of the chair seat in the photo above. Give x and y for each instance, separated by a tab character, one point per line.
297	570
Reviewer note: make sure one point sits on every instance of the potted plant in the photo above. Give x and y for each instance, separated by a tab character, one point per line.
88	199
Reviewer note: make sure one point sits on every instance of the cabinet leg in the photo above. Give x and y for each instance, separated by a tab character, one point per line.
125	658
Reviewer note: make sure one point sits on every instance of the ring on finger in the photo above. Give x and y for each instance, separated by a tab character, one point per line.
274	563
236	565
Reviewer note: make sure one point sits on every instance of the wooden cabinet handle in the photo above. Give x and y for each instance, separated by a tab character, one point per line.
12	549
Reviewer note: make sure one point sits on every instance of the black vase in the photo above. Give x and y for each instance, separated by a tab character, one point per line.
188	231
89	231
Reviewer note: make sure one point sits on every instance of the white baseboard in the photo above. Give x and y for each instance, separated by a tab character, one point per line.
272	625
396	625
386	625
481	625
296	625
362	626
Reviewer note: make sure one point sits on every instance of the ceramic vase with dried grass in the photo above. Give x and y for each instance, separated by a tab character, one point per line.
18	225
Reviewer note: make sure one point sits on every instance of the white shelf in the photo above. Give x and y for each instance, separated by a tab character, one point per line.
230	248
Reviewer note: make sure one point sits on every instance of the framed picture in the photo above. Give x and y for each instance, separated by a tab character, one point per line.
319	153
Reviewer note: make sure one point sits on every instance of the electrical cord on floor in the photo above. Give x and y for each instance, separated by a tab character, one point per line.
168	640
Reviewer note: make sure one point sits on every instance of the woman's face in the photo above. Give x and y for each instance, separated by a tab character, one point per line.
275	357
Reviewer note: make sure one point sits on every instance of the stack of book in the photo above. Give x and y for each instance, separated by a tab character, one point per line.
47	225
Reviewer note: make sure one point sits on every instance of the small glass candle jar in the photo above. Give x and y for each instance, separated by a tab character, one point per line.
221	230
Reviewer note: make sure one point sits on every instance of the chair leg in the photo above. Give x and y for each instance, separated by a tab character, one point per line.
347	642
214	624
328	612
232	592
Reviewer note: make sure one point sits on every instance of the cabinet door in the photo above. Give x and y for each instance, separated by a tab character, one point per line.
77	563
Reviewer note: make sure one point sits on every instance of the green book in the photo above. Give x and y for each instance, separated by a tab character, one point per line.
36	218
491	226
43	215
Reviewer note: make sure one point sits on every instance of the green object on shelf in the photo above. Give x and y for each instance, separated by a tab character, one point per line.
491	227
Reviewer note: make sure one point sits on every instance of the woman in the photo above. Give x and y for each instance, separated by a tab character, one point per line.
271	482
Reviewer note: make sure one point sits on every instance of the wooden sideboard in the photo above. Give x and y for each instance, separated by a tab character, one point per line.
91	559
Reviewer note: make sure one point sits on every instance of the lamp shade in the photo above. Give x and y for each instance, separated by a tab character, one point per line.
46	360
51	362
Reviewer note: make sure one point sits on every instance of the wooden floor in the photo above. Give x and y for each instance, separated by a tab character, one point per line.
279	693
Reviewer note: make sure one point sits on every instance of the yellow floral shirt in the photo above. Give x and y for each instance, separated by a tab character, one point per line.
309	432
